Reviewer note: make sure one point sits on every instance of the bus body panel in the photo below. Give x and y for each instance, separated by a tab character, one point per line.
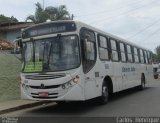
75	92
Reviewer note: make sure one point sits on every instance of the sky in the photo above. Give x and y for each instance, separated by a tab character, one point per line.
137	21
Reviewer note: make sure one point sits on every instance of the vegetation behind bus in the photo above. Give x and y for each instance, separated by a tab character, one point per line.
9	77
156	56
52	13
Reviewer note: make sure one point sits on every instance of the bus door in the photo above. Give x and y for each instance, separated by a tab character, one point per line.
89	57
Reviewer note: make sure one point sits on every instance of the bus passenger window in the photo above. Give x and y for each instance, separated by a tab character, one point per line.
114	50
122	50
136	55
129	54
146	57
141	56
103	48
149	54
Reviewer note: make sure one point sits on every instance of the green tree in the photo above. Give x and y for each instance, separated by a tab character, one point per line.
52	13
158	53
58	13
156	56
4	19
39	16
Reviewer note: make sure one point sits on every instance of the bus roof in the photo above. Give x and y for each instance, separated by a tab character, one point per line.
110	35
81	24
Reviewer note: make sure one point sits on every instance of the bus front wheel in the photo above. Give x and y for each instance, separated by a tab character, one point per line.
103	99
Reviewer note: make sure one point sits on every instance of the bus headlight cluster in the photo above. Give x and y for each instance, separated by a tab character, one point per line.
70	83
25	86
67	85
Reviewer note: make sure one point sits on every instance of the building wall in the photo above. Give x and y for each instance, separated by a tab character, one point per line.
3	35
12	35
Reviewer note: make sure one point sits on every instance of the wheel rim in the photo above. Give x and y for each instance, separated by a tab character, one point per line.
105	92
143	82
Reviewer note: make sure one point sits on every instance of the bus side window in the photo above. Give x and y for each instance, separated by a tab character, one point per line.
129	54
122	52
114	50
132	54
141	56
136	58
149	57
103	48
146	57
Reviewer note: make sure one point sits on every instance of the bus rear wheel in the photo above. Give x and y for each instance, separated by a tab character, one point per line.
156	76
103	99
143	83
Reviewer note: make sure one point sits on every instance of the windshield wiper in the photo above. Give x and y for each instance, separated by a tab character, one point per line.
50	53
33	55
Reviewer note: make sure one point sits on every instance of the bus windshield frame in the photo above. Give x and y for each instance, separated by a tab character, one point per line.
52	54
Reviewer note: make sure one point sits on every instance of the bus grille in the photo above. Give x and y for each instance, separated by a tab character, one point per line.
48	94
45	87
44	76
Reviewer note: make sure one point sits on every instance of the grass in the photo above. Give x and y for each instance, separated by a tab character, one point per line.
9	77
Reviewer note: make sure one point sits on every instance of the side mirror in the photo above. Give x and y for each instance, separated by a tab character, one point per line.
19	43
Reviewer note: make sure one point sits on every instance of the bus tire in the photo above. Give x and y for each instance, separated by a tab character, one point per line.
143	83
156	76
103	99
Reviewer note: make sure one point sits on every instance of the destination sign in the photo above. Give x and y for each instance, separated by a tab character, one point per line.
49	28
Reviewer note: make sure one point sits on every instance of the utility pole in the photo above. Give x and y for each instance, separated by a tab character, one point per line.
43	4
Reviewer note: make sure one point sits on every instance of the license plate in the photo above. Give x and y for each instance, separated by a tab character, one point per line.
43	94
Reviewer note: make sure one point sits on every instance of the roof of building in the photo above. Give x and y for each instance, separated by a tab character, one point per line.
15	26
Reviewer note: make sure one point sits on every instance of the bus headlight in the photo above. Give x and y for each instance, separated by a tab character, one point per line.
70	83
66	85
25	86
76	79
63	86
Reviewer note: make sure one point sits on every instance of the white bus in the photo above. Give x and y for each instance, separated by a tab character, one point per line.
72	61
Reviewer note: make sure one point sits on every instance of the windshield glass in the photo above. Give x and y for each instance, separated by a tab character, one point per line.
51	54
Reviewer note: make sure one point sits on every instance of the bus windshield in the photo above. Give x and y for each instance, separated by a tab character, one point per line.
51	54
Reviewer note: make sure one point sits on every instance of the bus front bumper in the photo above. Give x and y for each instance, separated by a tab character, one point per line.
74	93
